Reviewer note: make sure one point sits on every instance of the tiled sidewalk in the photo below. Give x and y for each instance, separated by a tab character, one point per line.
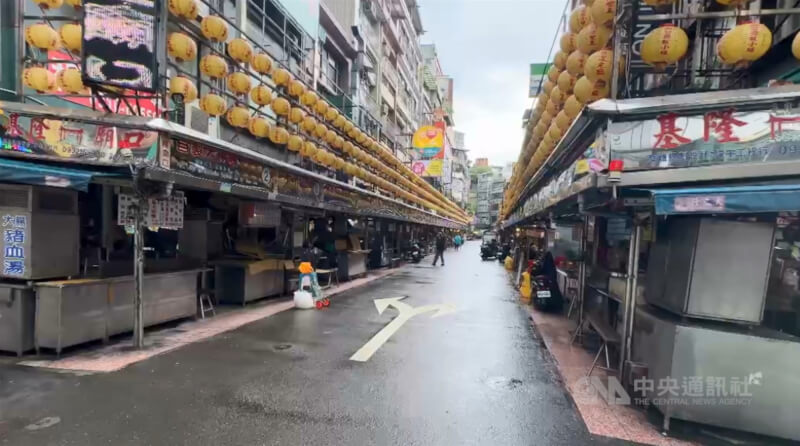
115	356
573	362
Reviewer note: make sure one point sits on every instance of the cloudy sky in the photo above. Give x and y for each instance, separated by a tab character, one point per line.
486	46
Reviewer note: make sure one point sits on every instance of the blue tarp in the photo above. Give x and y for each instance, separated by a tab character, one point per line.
14	171
727	200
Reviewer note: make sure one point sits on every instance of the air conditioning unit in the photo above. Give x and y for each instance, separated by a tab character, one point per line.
40	232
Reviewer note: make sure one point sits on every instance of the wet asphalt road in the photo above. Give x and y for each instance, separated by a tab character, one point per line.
474	377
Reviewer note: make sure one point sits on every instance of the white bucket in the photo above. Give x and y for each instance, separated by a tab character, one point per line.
303	300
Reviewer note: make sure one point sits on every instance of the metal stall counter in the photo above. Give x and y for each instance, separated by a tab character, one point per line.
239	281
72	312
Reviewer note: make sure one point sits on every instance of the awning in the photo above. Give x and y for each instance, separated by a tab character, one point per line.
727	200
14	171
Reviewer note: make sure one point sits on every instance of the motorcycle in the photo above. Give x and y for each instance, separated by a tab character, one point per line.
488	251
415	255
546	295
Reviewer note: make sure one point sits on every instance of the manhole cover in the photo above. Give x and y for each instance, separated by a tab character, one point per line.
283	346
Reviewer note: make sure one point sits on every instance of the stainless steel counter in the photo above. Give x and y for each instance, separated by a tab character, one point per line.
72	312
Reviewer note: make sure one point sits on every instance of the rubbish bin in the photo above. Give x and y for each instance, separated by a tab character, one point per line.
17	314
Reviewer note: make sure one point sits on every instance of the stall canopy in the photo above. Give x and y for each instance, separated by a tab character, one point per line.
727	200
14	171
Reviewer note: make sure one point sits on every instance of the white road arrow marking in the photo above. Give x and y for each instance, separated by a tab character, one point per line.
405	312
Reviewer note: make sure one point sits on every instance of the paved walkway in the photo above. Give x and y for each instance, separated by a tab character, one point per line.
473	376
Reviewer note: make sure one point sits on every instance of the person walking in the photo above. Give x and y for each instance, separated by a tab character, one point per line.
440	245
457	241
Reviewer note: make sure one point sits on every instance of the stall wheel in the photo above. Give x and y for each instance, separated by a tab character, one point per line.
319	304
326	302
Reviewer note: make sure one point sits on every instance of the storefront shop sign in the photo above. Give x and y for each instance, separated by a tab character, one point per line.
15	244
699	203
717	137
428	168
77	140
206	162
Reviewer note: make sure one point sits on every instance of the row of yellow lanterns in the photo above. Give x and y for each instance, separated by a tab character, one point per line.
181	47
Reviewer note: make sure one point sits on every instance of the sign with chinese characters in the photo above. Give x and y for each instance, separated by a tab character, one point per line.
716	137
15	244
216	164
428	142
76	140
699	203
164	213
428	168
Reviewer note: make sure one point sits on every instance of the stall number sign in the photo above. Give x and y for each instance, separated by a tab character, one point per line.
14	237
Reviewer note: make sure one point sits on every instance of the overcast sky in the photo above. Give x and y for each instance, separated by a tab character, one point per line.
486	46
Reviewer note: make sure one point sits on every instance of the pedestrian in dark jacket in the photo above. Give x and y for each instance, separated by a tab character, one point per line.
441	241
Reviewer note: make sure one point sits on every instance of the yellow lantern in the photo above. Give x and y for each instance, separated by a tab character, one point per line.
262	63
576	62
183	8
348	148
280	106
331	114
558	96
321	107
213	66
553	73
568	42
665	45
281	77
563	120
237	116
214	28
296	88
213	104
319	156
728	54
551	108
546	118
238	82
77	4
179	85
593	37
579	18
796	46
69	80
295	143
603	12
42	36
586	91
320	130
181	47
278	135
347	127
49	4
240	50
338	163
309	98
39	79
309	149
309	124
543	97
261	95
296	115
572	107
566	81
339	122
338	143
753	40
598	66
330	136
258	127
560	60
71	36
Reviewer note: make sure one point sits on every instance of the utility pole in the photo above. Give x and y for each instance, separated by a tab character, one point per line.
138	272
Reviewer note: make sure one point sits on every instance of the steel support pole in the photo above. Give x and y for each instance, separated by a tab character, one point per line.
582	273
629	303
138	274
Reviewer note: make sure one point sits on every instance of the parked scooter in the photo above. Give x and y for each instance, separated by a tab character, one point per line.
415	255
546	295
